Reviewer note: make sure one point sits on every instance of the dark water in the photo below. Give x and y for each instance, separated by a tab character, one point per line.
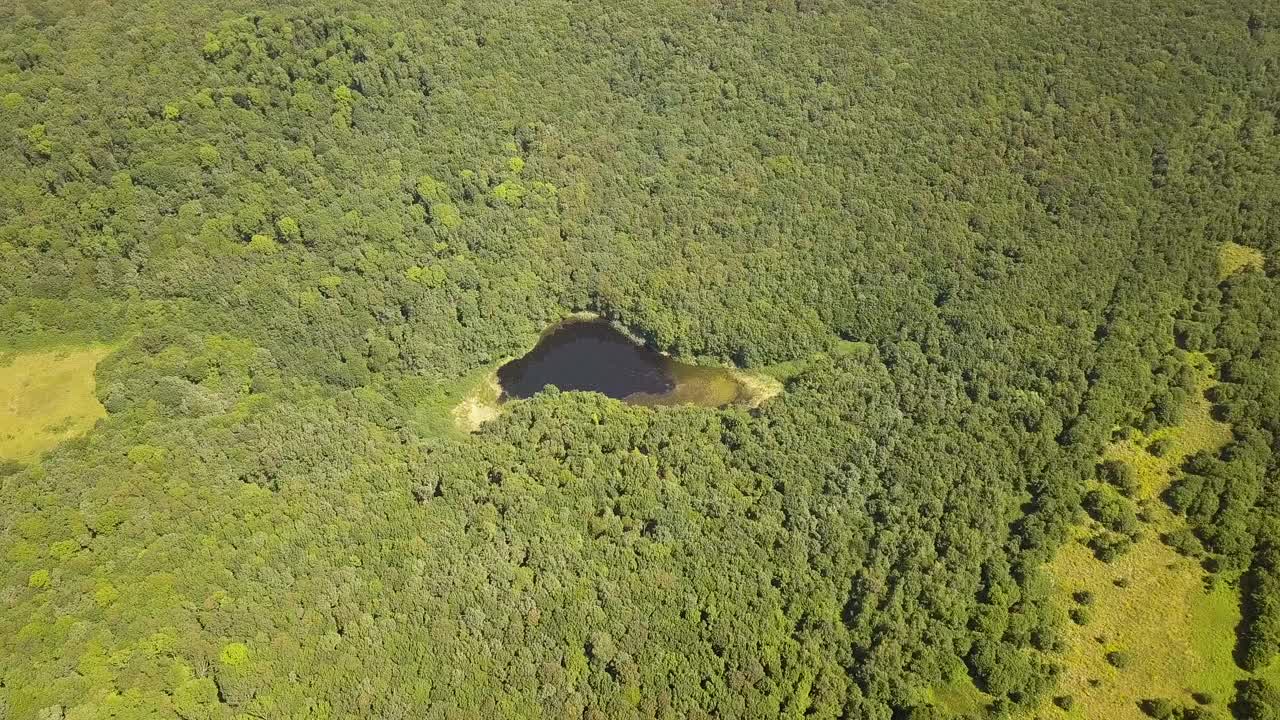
594	356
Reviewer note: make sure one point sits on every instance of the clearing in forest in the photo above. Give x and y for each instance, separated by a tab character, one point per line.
1151	604
1234	257
46	397
480	405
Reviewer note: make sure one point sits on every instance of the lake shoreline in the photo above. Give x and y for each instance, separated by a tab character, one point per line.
682	383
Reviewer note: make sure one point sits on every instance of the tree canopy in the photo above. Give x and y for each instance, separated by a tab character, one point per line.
300	226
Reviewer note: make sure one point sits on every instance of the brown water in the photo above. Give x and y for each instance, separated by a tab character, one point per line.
594	356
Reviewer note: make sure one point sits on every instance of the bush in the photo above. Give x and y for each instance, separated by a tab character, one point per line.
1257	699
1119	475
1160	447
1119	659
1066	702
1184	541
1080	615
1112	511
1084	597
1109	546
1159	708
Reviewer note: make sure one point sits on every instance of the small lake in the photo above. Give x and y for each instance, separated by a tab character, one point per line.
592	355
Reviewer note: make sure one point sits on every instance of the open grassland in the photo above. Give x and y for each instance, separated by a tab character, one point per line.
784	371
46	397
1233	257
1150	603
1179	636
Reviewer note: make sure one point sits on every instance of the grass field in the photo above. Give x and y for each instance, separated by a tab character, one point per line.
45	398
1179	632
959	697
1233	257
784	371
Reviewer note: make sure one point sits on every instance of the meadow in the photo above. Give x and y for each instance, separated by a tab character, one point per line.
1152	604
46	397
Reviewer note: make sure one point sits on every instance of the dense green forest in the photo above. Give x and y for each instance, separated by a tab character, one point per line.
294	229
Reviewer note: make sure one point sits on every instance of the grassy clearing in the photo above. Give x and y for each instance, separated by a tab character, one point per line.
479	405
1179	633
784	371
959	697
756	388
46	397
1197	431
1233	257
454	408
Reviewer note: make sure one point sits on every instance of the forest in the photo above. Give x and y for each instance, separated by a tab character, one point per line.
254	256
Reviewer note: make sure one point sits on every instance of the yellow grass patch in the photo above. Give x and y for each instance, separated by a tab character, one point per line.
757	387
480	405
45	398
1179	634
1197	431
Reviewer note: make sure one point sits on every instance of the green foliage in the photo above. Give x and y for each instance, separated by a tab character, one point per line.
234	654
1119	475
510	191
1261	639
1229	500
1204	698
429	189
263	245
446	215
38	143
1257	700
289	229
1160	709
1111	511
1119	659
299	224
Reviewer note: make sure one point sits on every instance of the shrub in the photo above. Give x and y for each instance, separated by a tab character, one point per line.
1257	700
1119	475
1184	541
1119	659
1109	546
1159	708
39	579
